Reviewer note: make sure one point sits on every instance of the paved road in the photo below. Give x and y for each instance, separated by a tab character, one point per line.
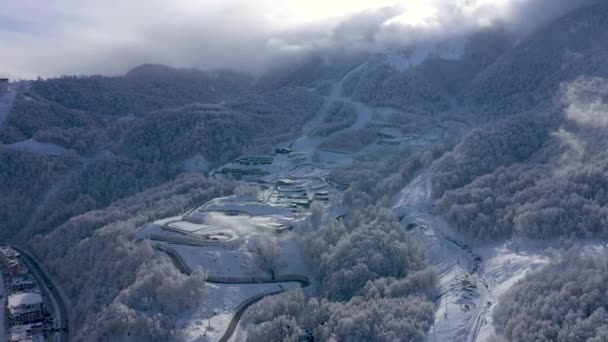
50	291
240	311
234	322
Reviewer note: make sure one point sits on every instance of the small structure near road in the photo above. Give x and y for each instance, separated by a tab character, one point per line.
10	259
321	196
20	284
25	308
255	160
31	332
238	173
274	227
282	150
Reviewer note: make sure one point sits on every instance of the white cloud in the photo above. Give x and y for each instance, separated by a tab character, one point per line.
87	36
577	147
585	100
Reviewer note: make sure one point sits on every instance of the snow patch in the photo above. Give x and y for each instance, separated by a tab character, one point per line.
209	322
34	146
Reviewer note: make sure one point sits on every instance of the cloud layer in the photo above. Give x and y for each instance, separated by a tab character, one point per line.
109	37
586	101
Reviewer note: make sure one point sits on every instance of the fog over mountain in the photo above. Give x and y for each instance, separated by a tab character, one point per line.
201	171
91	37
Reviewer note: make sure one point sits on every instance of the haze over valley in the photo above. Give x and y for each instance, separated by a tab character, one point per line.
304	171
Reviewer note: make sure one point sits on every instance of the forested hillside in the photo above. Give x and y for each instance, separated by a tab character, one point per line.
119	143
565	301
115	275
539	172
506	136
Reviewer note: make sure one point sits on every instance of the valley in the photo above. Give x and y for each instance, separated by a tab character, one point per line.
226	237
367	181
221	235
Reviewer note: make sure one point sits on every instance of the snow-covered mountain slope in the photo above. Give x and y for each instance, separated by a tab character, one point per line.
402	60
472	275
265	133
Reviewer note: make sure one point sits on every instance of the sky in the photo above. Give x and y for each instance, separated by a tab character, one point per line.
82	37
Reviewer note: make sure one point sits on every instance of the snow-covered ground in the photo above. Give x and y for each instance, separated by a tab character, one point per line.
508	262
307	142
221	301
472	275
469	276
464	295
33	146
289	183
228	261
217	261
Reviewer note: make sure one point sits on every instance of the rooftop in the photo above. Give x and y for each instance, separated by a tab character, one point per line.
20	280
27	298
23	332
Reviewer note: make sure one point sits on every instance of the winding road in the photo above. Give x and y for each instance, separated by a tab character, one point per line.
240	311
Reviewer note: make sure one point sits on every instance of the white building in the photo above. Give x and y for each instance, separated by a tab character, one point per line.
25	308
32	332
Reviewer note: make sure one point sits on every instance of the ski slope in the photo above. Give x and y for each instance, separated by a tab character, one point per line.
472	276
34	146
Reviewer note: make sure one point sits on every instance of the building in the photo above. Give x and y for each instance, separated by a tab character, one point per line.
27	333
282	150
286	181
10	259
13	268
19	284
237	173
32	332
24	308
321	196
255	160
7	254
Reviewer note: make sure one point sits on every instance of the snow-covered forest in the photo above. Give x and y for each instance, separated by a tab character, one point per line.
565	301
374	283
112	157
414	194
124	290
